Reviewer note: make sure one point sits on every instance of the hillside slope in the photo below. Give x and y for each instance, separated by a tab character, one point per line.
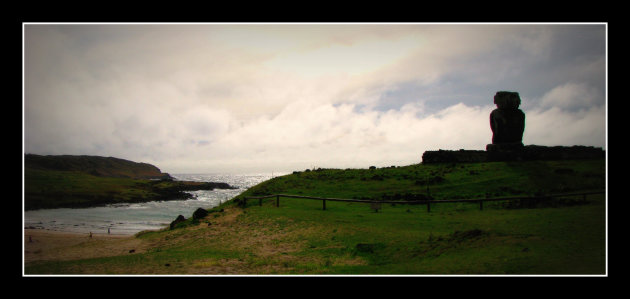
442	180
95	165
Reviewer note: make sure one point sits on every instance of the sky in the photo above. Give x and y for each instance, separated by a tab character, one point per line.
263	97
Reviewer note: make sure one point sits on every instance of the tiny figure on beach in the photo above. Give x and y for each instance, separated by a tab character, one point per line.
90	235
108	230
30	239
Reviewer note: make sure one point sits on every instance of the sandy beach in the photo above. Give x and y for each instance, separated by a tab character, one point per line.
40	245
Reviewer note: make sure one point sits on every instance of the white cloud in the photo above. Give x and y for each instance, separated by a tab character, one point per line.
559	127
572	96
304	135
263	98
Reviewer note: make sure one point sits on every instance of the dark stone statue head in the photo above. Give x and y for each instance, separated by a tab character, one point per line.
507	100
507	121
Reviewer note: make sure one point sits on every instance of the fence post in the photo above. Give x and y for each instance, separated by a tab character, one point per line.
428	207
324	204
481	205
277	201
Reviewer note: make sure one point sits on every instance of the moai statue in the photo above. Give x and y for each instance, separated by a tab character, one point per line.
507	122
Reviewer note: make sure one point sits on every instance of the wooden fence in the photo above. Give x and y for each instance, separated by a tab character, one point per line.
376	203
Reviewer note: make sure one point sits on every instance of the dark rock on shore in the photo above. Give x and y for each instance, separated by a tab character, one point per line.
199	214
193	186
177	220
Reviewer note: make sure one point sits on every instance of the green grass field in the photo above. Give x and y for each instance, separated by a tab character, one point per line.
298	237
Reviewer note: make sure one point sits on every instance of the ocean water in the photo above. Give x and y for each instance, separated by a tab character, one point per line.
128	219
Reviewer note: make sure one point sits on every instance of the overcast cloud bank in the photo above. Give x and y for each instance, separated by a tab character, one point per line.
263	98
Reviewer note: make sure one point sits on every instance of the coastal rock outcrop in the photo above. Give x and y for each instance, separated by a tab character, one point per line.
177	220
199	214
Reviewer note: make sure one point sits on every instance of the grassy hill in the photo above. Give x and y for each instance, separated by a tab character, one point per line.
565	237
84	181
442	181
95	165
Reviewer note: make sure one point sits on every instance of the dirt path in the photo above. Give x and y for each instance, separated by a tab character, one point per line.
41	245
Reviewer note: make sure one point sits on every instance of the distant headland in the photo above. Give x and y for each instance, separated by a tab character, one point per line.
67	181
95	165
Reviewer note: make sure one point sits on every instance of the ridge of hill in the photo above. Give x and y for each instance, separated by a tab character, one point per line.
95	165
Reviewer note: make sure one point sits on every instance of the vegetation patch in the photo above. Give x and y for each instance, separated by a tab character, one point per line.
299	237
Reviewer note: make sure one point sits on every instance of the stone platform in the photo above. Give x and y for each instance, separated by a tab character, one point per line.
525	153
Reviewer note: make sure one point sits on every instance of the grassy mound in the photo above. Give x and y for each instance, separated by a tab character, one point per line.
441	181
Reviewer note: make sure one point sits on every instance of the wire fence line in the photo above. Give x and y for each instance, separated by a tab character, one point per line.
376	203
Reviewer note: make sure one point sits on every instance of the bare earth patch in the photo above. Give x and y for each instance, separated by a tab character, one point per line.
43	245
